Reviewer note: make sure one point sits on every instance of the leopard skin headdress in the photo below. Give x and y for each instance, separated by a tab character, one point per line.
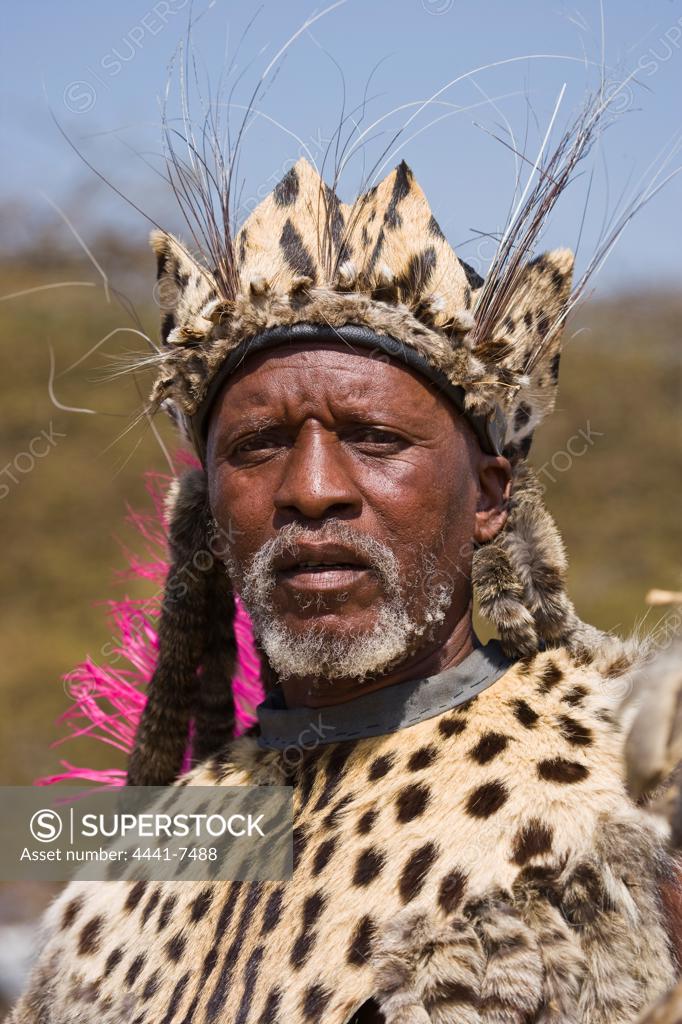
378	273
383	264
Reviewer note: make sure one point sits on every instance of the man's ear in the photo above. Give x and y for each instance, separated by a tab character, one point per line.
494	491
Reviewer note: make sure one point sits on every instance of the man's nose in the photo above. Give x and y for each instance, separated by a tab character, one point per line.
317	480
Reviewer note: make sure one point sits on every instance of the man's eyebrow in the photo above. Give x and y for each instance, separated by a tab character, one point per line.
392	419
252	422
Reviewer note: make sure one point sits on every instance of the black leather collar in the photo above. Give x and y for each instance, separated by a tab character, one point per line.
382	711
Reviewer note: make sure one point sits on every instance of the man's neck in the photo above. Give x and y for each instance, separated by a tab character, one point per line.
429	660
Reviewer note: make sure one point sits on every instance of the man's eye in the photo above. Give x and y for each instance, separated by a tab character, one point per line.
256	443
377	436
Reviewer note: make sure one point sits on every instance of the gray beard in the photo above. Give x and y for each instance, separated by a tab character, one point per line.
320	653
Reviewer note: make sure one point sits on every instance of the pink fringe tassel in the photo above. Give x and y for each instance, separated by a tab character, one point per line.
108	699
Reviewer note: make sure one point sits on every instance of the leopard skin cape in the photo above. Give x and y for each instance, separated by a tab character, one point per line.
483	865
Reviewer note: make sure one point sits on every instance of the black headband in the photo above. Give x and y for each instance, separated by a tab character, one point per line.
490	430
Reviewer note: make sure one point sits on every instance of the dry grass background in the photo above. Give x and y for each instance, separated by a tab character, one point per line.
617	504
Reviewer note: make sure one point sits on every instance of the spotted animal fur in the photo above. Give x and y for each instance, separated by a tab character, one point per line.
482	866
382	262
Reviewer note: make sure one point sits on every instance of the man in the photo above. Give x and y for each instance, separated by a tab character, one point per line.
465	850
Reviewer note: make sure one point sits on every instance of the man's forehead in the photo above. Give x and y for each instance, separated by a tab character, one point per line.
340	355
332	372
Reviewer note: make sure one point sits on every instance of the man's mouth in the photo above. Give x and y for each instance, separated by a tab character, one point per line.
320	567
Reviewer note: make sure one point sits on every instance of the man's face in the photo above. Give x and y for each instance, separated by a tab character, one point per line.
352	494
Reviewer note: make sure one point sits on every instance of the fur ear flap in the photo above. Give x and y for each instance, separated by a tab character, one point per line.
520	578
193	676
214	707
183	289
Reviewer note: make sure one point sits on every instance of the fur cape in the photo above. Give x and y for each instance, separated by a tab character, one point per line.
482	866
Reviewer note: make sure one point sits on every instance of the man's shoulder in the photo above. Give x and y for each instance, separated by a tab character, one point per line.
545	735
563	683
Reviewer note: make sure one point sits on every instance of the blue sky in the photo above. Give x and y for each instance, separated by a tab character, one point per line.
101	68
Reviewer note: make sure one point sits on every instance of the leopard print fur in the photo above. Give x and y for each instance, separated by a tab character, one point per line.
484	865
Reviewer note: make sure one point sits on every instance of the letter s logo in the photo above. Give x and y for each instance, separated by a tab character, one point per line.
46	826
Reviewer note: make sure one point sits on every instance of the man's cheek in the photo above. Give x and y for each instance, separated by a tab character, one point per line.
239	523
227	544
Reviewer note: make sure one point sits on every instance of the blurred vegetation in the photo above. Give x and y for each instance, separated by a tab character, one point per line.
617	504
61	517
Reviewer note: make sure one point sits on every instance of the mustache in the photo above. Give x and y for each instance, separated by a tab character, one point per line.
258	576
378	557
